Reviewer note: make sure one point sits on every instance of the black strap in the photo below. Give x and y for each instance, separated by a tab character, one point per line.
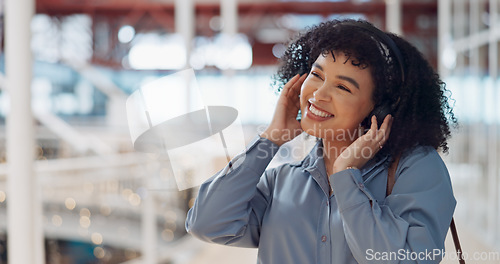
391	180
454	234
391	173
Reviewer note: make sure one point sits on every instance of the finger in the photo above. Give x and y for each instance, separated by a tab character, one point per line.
295	88
381	136
385	129
289	84
293	106
374	125
372	133
389	128
293	103
294	91
294	94
386	123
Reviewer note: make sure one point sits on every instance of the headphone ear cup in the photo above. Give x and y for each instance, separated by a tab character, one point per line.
380	112
383	111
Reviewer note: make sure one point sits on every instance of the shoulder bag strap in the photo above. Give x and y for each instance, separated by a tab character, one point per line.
391	180
391	176
454	234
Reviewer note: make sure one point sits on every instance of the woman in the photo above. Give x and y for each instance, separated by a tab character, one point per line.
375	104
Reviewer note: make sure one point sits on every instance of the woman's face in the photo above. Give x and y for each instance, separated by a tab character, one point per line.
335	97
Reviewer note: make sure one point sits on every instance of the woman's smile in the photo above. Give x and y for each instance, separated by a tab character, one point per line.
316	113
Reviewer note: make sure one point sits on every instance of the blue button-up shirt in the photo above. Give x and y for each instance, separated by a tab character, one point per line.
289	214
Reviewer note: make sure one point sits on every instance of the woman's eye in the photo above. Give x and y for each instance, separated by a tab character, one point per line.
316	75
344	88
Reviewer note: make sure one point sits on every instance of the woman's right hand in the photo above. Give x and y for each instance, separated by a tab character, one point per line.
284	125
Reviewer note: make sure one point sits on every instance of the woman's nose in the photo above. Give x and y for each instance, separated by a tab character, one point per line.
321	94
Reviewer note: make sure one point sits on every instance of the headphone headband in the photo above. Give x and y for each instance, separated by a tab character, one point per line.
384	39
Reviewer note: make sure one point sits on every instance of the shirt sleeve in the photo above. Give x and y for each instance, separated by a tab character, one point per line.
412	223
230	205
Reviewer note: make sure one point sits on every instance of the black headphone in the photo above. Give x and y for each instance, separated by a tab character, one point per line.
382	109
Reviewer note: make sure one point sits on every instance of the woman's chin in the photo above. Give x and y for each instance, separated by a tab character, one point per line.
314	129
329	133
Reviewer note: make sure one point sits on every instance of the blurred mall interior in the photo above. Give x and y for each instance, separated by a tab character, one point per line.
67	68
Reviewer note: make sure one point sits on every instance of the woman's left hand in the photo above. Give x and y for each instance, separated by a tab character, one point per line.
365	147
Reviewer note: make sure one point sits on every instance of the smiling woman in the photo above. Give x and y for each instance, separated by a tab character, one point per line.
335	97
375	105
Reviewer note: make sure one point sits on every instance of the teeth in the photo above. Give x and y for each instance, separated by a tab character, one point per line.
318	112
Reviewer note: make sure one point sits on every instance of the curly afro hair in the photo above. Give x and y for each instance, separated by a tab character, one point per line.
418	101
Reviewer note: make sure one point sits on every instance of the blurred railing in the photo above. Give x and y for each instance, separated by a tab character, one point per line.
99	199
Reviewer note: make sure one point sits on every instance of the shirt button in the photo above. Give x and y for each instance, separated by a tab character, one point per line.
361	185
323	238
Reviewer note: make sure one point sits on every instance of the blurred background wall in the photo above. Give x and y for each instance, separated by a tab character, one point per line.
96	200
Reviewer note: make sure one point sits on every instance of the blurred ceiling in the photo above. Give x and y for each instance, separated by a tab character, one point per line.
255	17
